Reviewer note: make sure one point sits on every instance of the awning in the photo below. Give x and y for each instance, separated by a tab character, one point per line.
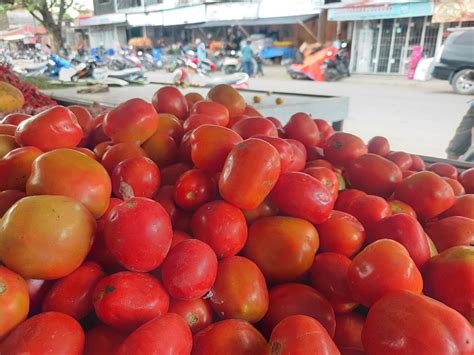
103	20
20	33
376	12
286	20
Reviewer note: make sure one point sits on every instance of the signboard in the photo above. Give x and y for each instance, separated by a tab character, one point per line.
103	20
143	19
231	11
380	11
184	15
346	3
453	10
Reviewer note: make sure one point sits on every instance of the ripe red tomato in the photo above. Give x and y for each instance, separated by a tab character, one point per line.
466	178
301	334
315	202
138	226
8	199
210	146
7	129
162	149
374	175
45	333
165	197
229	97
327	177
53	128
96	136
349	331
7	144
418	163
448	278
87	152
240	291
178	237
427	193
325	130
302	128
252	111
457	187
135	177
82	178
169	99
299	155
214	109
346	197
197	119
463	206
126	300
189	270
284	149
282	247
368	210
231	337
171	126
341	233
83	117
171	173
451	231
277	123
319	163
192	98
15	118
120	152
292	299
14	300
407	231
402	159
100	149
72	294
444	169
329	276
197	313
255	126
379	145
249	173
404	322
401	207
381	267
341	148
193	189
266	209
37	290
103	340
168	334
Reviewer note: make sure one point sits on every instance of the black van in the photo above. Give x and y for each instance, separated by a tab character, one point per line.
455	62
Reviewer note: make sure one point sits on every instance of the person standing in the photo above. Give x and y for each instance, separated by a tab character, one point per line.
201	50
247	58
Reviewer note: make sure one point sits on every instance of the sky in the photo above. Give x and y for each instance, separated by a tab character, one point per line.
87	3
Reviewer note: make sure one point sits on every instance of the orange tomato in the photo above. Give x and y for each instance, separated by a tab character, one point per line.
15	168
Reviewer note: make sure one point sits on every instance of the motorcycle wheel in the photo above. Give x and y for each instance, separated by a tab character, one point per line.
230	69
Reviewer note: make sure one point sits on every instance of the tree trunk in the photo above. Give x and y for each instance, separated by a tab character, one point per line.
55	37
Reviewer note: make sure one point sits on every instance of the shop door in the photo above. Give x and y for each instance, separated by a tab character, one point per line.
399	47
385	45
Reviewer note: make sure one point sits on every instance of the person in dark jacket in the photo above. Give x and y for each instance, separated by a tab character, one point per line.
463	139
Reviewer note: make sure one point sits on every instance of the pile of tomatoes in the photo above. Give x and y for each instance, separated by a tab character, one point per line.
195	225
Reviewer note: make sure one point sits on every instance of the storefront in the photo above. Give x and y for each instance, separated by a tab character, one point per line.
105	30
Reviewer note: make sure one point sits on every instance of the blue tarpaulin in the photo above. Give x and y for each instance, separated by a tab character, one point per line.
273	52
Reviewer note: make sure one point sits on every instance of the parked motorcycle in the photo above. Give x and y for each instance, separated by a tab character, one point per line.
313	66
338	67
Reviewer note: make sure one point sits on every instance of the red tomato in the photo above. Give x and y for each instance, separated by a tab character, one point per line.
401	207
184	150
381	267
249	173
169	334
240	291
418	163
292	299
301	334
214	109
7	144
266	209
255	126
315	153
120	152
100	149
314	202
210	146
138	233
192	98
466	178
463	206
135	177
277	123
341	148
171	126
329	276
402	159
284	149
445	170
229	97
325	130
197	119
15	118
189	270
83	116
171	173
346	197
230	337
374	175
368	210
197	313
37	290
302	128
456	186
406	173
87	152
327	177
349	331
299	155
379	145
14	300
193	189
96	136
126	300
407	231
162	149
165	197
427	193
72	294
8	199
45	333
406	323
7	129
53	128
169	99
103	340
341	233
448	278
451	231
234	120
178	237
282	247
